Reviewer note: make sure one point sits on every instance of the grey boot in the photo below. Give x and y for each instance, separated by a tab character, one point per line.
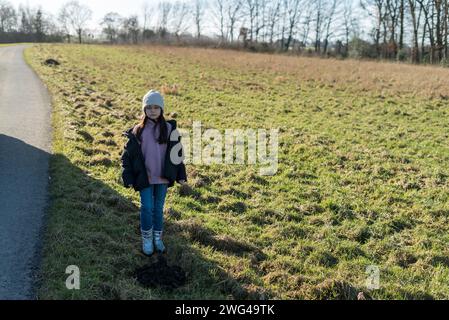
147	242
158	241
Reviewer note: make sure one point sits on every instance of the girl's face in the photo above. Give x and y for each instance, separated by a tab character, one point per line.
153	111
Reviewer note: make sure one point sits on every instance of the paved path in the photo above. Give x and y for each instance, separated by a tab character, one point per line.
25	147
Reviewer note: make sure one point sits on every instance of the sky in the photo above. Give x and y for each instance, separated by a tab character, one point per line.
100	8
125	8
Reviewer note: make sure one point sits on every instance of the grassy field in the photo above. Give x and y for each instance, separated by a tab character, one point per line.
362	178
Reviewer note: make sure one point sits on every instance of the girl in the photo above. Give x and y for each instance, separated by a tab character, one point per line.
150	168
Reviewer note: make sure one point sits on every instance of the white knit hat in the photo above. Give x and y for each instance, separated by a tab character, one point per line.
153	98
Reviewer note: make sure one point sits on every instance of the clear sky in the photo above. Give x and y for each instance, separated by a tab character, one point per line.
125	8
99	7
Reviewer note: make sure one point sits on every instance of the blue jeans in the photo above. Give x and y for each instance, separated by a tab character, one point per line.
152	200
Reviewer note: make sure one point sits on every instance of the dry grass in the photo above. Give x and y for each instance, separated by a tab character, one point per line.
385	78
170	90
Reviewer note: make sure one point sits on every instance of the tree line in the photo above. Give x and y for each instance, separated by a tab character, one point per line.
413	30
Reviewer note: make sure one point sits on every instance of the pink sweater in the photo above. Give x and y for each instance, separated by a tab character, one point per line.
154	153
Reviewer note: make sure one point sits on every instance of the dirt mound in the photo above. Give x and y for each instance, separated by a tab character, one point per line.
160	275
51	62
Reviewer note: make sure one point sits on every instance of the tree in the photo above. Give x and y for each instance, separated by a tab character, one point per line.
293	15
198	13
131	29
75	16
227	13
273	18
179	14
51	30
250	8
392	22
376	10
8	17
261	19
330	13
63	20
26	20
415	22
401	23
234	10
164	13
219	14
38	24
428	27
318	24
111	23
348	22
306	24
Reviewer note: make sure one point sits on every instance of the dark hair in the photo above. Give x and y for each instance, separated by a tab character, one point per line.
160	121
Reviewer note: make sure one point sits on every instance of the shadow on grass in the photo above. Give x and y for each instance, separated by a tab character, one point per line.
91	225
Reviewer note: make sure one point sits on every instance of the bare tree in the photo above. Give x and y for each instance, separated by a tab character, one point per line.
261	17
318	24
376	10
52	30
331	10
392	22
198	13
402	8
164	9
293	12
63	19
111	23
147	13
273	18
76	16
348	21
131	29
250	10
415	22
226	14
234	14
306	24
444	31
8	17
426	6
179	18
253	10
219	14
